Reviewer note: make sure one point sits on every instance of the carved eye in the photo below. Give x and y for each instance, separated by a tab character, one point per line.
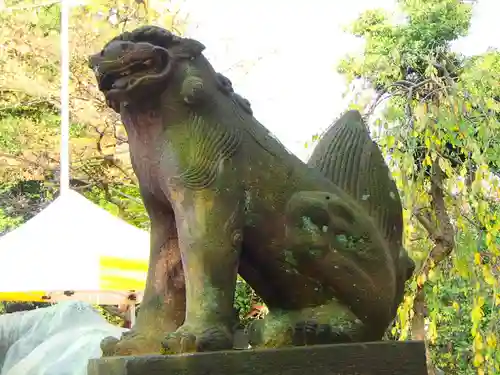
315	218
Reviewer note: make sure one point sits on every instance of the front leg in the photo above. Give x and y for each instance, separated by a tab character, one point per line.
210	236
163	305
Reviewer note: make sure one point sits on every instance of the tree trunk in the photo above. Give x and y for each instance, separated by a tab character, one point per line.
441	231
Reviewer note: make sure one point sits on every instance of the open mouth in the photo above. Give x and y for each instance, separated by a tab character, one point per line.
119	79
127	76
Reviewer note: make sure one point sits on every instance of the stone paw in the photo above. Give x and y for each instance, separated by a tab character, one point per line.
132	343
189	339
108	346
269	333
256	330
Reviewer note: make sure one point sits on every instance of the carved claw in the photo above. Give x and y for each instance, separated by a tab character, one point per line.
182	342
108	346
186	340
255	332
131	343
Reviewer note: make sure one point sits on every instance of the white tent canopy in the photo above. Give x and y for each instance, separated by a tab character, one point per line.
74	245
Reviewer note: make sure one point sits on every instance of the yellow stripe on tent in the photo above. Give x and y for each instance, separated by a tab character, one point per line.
137	265
115	282
122	274
23	297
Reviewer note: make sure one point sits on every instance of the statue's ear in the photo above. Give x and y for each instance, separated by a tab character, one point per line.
186	48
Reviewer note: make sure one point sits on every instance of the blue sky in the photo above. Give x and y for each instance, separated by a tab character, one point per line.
281	55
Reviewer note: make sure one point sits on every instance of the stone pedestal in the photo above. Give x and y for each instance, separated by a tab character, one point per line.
378	358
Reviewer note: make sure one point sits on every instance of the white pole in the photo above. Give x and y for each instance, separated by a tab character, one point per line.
131	312
64	156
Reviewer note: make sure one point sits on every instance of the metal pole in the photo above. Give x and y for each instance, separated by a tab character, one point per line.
65	56
131	312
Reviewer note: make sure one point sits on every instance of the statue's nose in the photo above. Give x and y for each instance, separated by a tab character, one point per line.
93	63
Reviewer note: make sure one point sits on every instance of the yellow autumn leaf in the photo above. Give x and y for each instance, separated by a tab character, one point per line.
445	164
478	288
421	112
489	238
488	276
480	301
462	267
491	340
473	330
476	314
390	141
432	332
456	306
478	359
421	279
495	228
432	275
427	143
476	186
478	343
477	258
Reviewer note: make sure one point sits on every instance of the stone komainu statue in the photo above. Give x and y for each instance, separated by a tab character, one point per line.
321	242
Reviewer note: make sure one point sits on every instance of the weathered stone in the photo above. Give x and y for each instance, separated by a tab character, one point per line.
381	358
225	197
348	156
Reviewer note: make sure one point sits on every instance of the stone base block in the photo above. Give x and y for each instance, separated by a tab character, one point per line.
377	358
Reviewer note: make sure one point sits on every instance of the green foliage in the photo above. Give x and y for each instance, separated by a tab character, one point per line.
113	319
451	310
13	133
20	201
7	222
245	299
47	19
123	201
393	48
440	128
11	307
431	25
